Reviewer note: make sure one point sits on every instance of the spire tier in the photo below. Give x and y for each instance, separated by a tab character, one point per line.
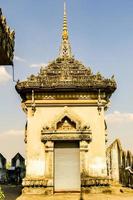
65	49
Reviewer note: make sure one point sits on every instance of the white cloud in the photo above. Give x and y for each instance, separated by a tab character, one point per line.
38	65
13	132
4	76
118	117
120	125
19	59
12	142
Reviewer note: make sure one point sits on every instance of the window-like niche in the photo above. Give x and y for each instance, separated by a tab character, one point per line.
66	124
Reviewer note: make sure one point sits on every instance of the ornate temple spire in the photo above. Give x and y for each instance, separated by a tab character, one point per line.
65	49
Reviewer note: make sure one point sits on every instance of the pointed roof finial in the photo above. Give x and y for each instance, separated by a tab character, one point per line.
65	50
64	7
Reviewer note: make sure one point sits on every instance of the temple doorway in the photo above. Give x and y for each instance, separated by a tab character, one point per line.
66	166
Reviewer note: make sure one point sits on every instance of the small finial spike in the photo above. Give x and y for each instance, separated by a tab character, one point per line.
64	8
65	50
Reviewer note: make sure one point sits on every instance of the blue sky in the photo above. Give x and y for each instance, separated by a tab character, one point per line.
101	35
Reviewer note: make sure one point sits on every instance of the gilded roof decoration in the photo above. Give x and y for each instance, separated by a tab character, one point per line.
65	49
7	42
67	74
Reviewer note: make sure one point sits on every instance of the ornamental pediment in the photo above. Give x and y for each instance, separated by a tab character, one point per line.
66	120
66	126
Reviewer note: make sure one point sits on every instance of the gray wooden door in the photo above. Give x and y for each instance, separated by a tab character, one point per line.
67	166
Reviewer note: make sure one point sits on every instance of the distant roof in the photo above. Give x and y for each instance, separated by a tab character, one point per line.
1	156
17	156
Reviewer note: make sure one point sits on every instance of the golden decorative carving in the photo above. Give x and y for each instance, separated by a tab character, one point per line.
66	124
67	75
73	119
7	42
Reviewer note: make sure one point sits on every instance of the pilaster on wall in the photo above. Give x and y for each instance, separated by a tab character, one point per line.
83	167
35	162
49	160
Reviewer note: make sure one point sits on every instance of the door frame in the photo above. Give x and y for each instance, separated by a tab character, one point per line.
54	166
50	161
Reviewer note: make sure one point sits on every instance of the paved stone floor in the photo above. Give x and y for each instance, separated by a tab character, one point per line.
13	192
77	197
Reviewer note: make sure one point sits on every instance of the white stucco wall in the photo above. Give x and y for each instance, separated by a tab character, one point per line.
95	157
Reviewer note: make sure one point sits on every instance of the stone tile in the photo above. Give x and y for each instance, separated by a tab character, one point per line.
77	197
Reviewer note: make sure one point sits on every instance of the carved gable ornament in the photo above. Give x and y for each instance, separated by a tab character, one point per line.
66	126
66	117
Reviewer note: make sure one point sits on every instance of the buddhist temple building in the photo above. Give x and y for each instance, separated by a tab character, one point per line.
65	132
6	42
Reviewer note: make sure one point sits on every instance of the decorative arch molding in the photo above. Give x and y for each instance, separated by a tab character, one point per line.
70	115
66	126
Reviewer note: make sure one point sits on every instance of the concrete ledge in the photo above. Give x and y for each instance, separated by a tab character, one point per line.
38	190
46	191
72	196
107	190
